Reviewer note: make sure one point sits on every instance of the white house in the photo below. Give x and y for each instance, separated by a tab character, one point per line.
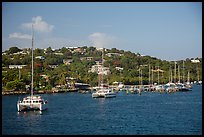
99	69
118	68
86	58
39	57
53	66
113	54
20	52
195	61
67	61
58	53
16	66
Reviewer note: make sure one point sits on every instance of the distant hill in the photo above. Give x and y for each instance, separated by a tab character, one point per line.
57	65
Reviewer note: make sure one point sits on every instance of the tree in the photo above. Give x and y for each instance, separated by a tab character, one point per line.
38	52
15	85
64	50
13	50
6	60
67	53
78	69
49	50
114	50
26	60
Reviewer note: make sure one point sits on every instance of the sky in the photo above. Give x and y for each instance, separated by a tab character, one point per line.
166	30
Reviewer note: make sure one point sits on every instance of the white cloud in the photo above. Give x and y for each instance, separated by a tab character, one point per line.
19	36
38	25
100	40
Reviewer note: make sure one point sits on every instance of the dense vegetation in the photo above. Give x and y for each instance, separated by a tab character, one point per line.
46	78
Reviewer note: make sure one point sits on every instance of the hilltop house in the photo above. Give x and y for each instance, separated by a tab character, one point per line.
16	66
53	66
113	54
67	61
118	68
58	53
195	61
86	58
98	69
40	57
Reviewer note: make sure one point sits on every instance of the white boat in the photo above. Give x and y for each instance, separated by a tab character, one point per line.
32	102
170	87
103	91
121	85
160	88
199	82
183	87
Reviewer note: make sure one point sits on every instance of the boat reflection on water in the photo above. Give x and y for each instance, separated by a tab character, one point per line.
30	113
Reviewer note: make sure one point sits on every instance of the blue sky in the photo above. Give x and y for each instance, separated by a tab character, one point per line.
166	30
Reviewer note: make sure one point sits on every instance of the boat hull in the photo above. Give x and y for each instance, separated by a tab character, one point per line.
31	107
103	95
28	105
185	89
110	95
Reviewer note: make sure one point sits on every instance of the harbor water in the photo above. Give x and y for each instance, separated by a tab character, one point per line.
150	113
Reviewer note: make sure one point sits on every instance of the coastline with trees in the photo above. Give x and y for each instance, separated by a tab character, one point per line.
62	68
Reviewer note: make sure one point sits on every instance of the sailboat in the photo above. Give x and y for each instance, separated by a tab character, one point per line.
103	91
188	84
32	102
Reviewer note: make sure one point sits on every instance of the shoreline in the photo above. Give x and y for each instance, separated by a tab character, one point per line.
37	92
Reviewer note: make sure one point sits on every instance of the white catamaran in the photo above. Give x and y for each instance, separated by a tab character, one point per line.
103	91
32	102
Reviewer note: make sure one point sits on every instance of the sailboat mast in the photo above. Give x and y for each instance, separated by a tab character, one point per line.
102	67
183	72
188	77
171	76
198	73
152	75
32	64
178	74
158	73
149	74
175	72
141	78
19	74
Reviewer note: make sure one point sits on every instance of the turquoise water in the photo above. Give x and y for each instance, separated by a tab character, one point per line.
75	113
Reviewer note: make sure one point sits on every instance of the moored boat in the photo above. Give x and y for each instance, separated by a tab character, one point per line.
32	102
103	91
